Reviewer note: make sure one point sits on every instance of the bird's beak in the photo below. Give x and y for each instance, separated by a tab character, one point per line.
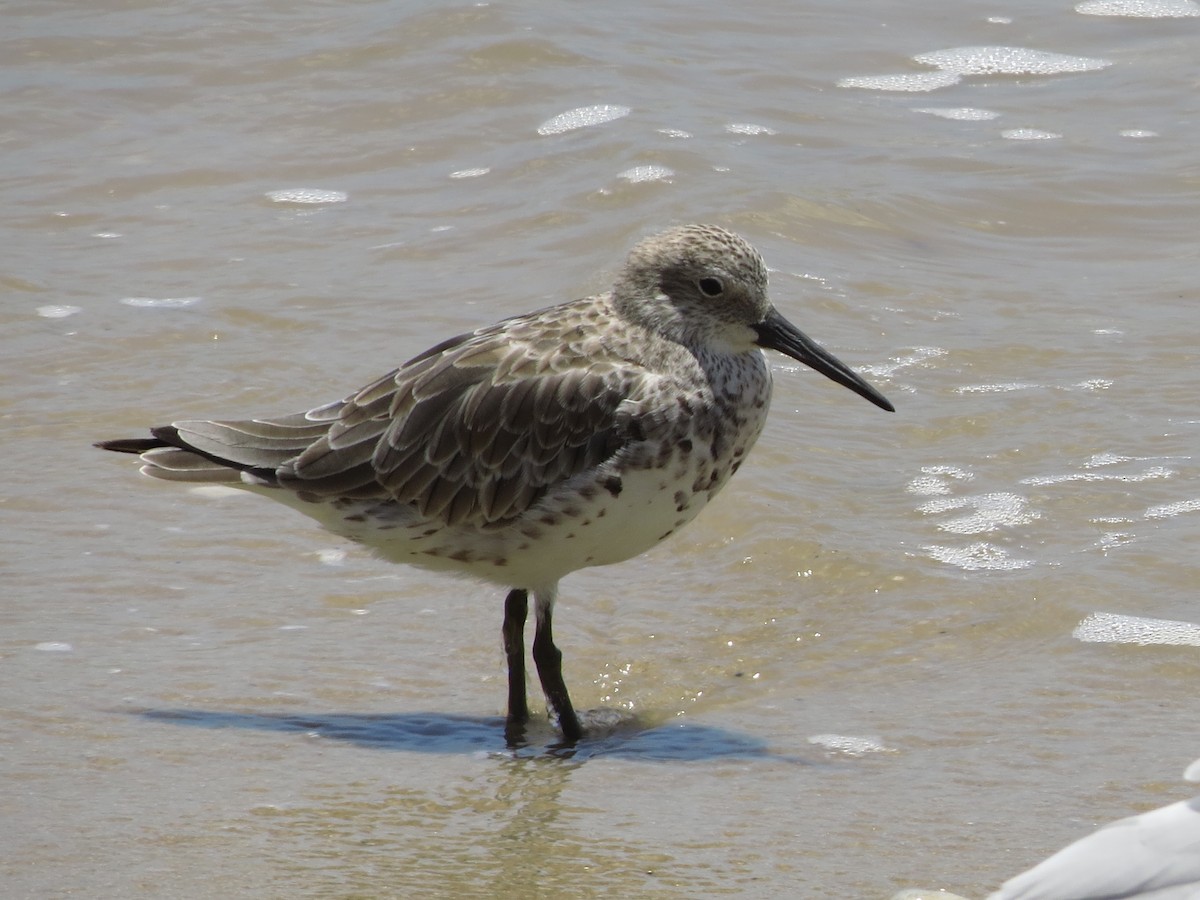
778	333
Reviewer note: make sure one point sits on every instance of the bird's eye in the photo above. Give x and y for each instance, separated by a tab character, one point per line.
711	287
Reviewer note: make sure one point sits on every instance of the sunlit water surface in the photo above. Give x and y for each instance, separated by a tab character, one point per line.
912	650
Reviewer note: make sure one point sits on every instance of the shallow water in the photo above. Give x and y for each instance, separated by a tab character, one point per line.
861	669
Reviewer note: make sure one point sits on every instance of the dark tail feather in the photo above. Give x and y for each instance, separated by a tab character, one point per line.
131	445
168	436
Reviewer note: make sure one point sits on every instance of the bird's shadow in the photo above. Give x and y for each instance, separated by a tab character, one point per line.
608	734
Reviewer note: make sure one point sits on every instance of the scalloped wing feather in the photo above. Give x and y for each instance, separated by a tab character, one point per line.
496	447
472	431
473	434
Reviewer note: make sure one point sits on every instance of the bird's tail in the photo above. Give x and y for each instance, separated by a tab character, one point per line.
210	452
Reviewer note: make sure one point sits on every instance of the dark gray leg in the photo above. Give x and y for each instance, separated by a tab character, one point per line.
516	608
548	659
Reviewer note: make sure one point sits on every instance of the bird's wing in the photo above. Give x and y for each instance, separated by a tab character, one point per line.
476	429
1153	855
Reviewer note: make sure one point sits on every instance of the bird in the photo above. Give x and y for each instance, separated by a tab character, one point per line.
1153	856
576	435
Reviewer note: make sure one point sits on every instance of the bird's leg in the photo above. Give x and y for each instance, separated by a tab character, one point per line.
548	659
516	607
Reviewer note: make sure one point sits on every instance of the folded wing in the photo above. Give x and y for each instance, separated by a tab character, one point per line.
473	431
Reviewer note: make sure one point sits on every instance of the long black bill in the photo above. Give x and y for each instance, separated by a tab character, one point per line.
778	333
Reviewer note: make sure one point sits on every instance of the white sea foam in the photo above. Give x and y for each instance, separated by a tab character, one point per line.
747	128
1029	134
928	485
1106	458
307	196
990	512
332	556
57	311
1114	628
160	302
1170	510
959	113
851	745
54	647
582	117
995	388
976	556
912	81
1150	474
647	173
936	480
1140	9
1111	540
1008	61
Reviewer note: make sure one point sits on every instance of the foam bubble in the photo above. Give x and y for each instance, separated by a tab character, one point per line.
1114	628
160	302
470	173
1170	510
928	485
851	745
1106	458
995	388
647	173
1008	61
936	480
332	556
1140	9
1029	134
58	311
1111	540
959	113
979	555
1150	474
306	195
582	117
915	81
991	511
747	128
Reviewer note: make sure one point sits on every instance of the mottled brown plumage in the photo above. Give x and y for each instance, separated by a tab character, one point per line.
577	435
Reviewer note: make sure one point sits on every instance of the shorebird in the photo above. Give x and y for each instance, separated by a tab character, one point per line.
577	435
